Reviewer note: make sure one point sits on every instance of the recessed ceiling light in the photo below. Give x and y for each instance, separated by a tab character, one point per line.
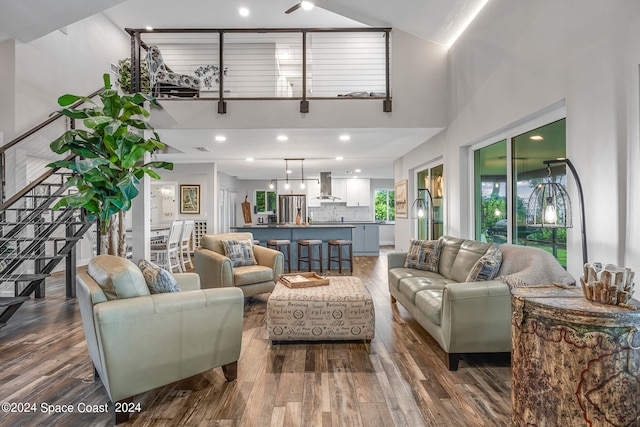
306	5
249	159
243	11
536	138
344	137
288	170
358	170
339	158
221	138
282	137
149	28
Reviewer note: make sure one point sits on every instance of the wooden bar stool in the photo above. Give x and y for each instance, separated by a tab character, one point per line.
340	245
308	257
281	245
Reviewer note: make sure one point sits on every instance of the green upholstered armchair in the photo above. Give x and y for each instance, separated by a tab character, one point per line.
216	269
140	341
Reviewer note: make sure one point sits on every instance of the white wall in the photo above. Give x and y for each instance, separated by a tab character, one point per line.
61	63
518	58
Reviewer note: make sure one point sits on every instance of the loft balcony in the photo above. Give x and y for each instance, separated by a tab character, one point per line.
264	64
296	78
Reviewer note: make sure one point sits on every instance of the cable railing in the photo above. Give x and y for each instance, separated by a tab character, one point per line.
24	159
265	64
31	234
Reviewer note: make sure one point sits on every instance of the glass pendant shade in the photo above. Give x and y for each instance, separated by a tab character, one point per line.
419	208
549	207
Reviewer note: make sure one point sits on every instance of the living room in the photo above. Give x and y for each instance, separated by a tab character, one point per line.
517	67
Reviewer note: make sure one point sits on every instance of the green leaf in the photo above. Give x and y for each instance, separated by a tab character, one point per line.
74	114
94	122
85	165
107	80
68	99
160	165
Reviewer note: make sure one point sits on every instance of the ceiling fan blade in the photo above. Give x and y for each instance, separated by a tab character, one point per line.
293	8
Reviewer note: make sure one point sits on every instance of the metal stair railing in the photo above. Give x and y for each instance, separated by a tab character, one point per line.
33	237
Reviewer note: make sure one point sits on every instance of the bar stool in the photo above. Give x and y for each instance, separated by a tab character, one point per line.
280	245
340	245
308	258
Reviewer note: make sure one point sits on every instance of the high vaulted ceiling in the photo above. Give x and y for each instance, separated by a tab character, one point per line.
439	21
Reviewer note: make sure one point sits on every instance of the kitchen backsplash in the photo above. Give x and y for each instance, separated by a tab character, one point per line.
336	211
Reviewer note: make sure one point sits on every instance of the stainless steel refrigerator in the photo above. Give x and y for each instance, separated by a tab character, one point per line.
288	207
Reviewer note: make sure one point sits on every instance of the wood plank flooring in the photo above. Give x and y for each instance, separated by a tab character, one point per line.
399	379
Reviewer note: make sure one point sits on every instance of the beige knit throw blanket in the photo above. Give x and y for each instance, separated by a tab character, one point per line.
526	266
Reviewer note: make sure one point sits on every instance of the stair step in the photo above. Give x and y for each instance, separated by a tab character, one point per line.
37	238
9	301
23	277
21	256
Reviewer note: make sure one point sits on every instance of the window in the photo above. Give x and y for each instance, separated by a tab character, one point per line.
501	196
432	226
490	168
265	201
385	209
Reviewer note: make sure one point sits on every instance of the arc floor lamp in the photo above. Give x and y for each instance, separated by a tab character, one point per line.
422	208
550	206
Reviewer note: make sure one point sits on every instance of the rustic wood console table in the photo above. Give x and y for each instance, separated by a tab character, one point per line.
574	363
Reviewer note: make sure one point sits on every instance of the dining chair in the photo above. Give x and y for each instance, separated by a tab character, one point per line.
167	253
185	244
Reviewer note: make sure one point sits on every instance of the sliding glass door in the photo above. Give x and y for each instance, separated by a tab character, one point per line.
490	167
432	226
505	174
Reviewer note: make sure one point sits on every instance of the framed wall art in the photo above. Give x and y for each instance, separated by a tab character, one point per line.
401	189
189	199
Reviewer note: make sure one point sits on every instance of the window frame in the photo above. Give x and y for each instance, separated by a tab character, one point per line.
387	191
266	199
542	118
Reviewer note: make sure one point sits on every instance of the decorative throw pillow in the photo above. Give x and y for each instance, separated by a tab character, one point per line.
240	252
158	280
424	255
487	267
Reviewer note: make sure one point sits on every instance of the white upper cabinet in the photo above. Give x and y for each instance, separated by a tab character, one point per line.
313	192
358	192
339	189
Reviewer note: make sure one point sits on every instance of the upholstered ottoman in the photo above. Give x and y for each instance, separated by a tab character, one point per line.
341	311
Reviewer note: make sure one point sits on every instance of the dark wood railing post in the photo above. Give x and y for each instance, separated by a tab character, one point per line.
38	262
304	104
222	104
386	107
70	270
135	62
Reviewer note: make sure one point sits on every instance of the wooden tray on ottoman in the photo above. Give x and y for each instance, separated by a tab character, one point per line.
303	280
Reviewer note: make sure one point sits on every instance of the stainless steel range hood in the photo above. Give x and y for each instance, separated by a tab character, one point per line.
325	187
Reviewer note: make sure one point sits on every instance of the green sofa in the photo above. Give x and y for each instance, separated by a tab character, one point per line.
469	317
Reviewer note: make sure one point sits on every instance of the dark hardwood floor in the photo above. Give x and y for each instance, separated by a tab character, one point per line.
399	379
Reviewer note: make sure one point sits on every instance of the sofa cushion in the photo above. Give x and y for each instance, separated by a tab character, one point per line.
213	242
423	255
469	253
450	248
252	274
410	286
487	267
397	274
240	252
118	277
429	302
158	280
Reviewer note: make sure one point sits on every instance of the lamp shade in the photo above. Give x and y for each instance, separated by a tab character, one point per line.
419	208
549	207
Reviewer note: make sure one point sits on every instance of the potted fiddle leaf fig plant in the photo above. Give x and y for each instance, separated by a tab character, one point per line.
109	160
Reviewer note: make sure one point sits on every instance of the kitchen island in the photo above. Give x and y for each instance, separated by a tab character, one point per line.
324	232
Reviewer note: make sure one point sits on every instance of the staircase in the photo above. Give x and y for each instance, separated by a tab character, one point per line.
34	238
